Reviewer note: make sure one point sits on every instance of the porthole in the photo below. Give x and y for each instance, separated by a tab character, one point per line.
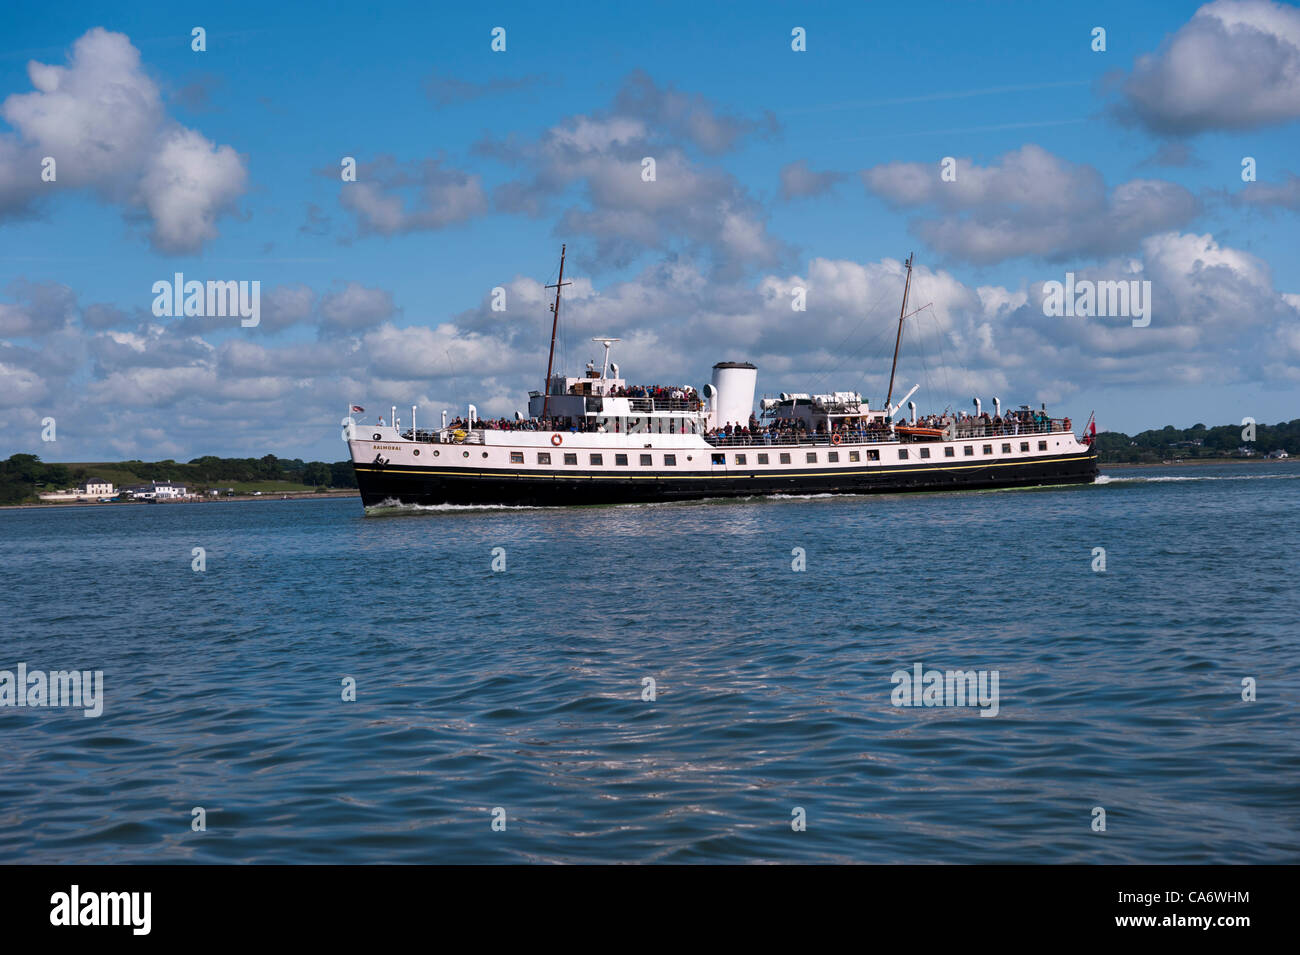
485	454
435	453
466	454
416	452
376	435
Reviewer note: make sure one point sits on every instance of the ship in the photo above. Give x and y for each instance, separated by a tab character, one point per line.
596	440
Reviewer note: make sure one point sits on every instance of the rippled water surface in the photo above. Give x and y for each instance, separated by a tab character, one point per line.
522	688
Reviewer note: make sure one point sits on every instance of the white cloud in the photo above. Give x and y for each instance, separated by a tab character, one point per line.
102	120
1234	65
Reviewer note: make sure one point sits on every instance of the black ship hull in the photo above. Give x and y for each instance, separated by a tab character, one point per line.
389	484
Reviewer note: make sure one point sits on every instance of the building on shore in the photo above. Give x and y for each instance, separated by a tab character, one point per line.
157	491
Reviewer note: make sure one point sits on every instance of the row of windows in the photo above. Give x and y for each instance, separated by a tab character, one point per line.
832	457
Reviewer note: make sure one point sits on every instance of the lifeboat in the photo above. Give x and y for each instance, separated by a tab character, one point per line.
915	431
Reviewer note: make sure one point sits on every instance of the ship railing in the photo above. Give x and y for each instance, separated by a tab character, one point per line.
766	440
1010	429
664	404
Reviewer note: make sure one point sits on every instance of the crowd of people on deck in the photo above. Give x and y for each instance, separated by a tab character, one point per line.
659	393
796	430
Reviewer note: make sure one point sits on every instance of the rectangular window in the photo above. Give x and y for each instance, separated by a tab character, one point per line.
543	457
873	455
516	457
670	460
968	450
785	458
570	458
949	451
1042	445
833	457
597	459
645	461
1024	445
855	456
740	459
620	460
925	452
1006	449
811	457
719	459
988	449
902	454
762	459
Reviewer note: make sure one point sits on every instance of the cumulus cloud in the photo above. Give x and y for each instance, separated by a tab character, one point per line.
102	120
354	307
445	90
42	308
1029	203
591	169
1272	195
389	198
1234	65
799	181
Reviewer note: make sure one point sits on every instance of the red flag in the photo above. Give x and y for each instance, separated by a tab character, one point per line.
357	409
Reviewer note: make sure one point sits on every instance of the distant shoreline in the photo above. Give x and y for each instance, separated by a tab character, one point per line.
1199	461
273	496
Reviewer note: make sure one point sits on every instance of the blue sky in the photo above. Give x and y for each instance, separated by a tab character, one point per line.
775	169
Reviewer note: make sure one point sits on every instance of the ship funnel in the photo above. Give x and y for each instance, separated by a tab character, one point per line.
911	406
733	383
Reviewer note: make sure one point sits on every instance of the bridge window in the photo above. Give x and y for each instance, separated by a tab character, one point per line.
812	457
988	449
543	457
645	461
949	451
516	457
968	450
833	456
740	459
1042	445
855	456
719	459
1006	449
670	460
873	455
925	452
785	458
1024	445
620	460
597	459
762	459
570	458
902	454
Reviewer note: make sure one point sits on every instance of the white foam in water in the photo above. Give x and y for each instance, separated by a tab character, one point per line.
1162	478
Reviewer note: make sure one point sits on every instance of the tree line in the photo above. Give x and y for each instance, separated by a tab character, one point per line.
23	476
1198	441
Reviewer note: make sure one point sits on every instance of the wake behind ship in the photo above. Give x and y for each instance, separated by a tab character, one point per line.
595	439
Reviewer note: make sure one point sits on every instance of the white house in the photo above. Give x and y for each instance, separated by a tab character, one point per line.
158	490
96	488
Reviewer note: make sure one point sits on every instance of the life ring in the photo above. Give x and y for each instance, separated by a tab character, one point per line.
835	438
557	439
459	435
